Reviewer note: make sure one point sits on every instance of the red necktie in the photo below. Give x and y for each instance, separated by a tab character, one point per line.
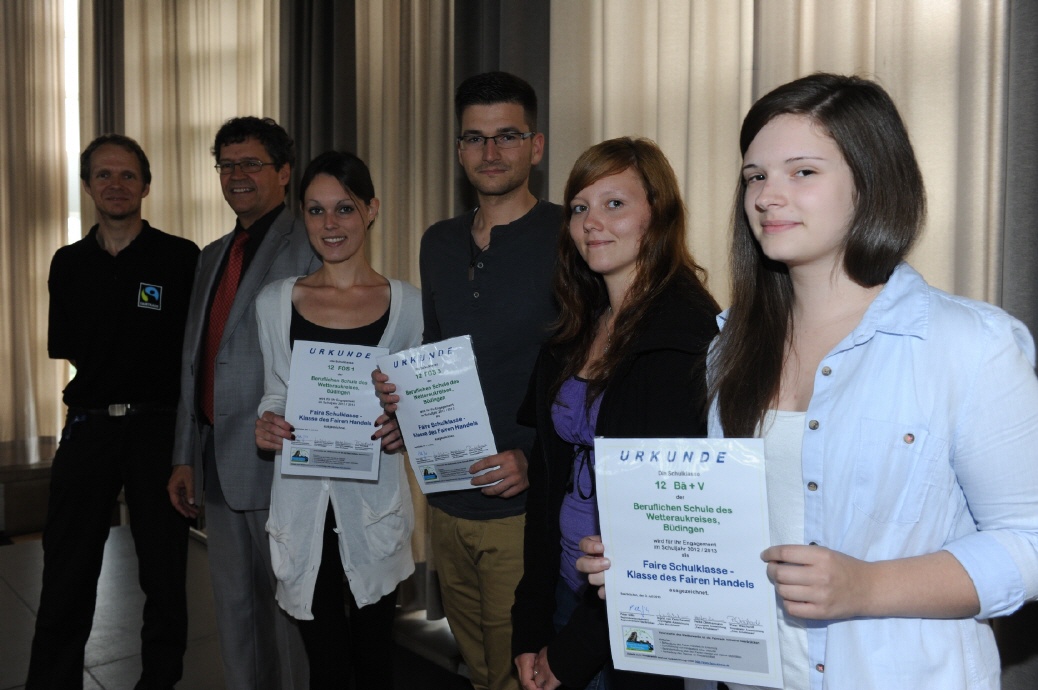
222	301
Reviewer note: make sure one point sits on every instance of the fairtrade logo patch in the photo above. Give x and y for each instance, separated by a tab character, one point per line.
149	296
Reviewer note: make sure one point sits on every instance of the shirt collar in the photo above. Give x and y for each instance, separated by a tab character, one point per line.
257	230
901	308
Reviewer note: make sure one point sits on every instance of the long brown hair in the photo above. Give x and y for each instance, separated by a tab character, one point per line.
889	207
663	257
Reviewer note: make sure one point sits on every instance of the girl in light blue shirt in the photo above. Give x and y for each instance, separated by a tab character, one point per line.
900	422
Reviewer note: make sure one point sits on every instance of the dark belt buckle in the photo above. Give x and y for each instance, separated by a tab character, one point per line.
118	410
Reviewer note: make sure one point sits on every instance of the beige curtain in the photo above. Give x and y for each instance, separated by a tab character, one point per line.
189	66
675	71
685	73
404	134
405	123
944	65
33	215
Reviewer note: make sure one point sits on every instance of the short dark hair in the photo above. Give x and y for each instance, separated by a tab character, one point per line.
347	168
490	88
117	140
275	139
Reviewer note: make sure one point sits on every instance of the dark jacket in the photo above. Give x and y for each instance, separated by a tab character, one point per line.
657	391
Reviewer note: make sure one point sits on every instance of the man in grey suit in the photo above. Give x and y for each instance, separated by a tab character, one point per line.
221	386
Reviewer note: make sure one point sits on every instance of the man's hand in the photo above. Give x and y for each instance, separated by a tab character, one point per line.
385	391
594	563
524	664
181	490
389	433
543	678
388	429
271	431
511	471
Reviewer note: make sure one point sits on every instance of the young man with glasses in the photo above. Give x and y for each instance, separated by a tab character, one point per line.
487	273
221	386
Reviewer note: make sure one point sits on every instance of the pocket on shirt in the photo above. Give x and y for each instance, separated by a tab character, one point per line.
894	470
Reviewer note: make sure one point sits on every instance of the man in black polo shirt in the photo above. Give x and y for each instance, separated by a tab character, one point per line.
118	301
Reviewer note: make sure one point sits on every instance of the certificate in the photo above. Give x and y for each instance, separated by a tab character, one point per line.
333	406
442	415
684	522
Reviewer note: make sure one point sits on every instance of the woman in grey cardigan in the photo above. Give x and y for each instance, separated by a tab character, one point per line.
322	528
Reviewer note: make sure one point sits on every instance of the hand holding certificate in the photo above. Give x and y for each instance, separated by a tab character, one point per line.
442	415
332	406
684	522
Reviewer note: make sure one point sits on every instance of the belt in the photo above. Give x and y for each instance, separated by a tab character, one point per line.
122	409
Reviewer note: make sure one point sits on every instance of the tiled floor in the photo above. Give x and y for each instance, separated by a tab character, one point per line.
112	659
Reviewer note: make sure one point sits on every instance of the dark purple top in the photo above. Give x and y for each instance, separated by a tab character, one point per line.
575	424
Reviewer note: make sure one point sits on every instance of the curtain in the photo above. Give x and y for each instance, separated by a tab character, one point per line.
942	64
674	71
1020	249
190	65
684	74
34	210
404	134
319	78
511	37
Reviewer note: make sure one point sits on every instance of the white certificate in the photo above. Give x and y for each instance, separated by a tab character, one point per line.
684	522
333	406
442	415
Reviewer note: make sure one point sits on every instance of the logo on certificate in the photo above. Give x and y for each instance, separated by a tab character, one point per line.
428	474
639	641
300	457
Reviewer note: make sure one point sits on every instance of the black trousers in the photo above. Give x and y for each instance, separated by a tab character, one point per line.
97	457
346	652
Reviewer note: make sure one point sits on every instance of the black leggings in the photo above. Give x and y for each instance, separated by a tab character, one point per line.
346	652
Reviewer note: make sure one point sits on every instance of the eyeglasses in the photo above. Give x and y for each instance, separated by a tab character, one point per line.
247	166
508	140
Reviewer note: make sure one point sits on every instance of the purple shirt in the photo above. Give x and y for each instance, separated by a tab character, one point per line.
575	424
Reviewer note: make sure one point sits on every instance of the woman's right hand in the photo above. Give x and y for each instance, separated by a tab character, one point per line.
271	431
593	562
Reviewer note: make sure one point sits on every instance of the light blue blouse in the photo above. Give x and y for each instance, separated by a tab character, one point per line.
922	435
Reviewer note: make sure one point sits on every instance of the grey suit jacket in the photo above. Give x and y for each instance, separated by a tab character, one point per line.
244	471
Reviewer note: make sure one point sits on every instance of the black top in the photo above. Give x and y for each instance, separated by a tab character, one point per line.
658	391
501	297
366	336
121	318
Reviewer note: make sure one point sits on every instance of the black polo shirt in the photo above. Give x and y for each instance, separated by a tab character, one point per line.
502	297
121	318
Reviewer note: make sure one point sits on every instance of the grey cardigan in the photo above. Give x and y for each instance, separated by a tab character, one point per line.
375	519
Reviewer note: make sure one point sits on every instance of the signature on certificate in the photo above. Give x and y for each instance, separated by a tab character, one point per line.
745	622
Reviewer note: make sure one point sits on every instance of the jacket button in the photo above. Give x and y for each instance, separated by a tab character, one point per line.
820	668
909	438
826	371
813	424
812	486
